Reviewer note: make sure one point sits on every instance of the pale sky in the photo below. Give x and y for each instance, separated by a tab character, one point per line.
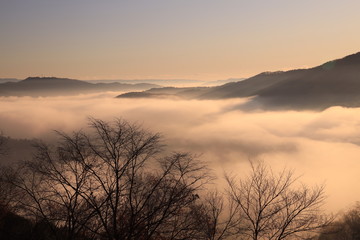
192	39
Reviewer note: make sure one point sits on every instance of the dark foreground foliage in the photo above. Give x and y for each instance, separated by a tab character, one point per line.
346	228
116	181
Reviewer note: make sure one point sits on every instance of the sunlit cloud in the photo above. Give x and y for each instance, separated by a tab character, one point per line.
321	146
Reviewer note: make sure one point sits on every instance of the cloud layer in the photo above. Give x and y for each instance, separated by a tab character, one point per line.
323	147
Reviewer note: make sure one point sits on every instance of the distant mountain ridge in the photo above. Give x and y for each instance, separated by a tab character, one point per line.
4	80
52	86
334	83
172	82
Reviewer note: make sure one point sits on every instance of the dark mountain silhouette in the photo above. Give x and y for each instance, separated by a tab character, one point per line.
221	82
50	86
335	83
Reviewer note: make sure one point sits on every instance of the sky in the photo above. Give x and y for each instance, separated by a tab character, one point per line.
162	39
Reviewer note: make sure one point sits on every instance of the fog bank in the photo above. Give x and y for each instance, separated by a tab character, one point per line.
323	147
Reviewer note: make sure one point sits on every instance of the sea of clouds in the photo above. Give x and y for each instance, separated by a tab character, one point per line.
322	147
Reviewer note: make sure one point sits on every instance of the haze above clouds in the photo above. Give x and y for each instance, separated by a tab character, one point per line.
321	146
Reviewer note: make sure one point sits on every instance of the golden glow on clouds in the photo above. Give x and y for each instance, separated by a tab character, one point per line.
324	147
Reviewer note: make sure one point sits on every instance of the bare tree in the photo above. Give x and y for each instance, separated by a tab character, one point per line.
50	193
112	183
273	207
216	217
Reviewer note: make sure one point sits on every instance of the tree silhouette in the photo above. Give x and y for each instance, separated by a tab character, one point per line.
113	183
116	181
271	206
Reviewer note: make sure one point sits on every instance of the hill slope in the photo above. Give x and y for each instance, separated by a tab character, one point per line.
333	83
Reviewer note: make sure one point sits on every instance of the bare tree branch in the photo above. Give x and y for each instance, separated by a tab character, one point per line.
272	207
112	182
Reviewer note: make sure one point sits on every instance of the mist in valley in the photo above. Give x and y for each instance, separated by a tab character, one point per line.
322	147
